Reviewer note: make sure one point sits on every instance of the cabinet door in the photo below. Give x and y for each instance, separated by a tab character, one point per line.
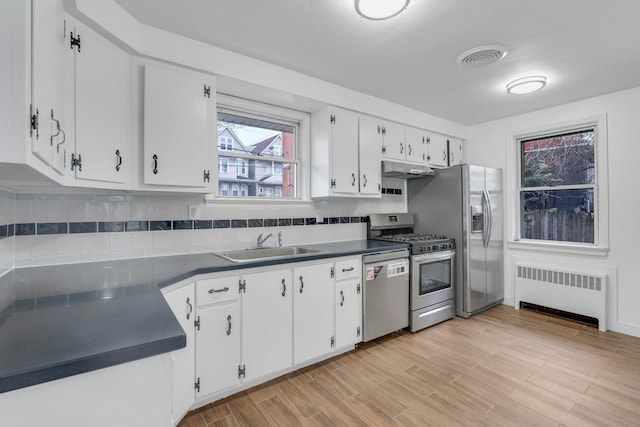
394	146
455	151
179	109
181	301
102	100
416	145
47	77
313	318
348	303
437	151
369	150
344	151
217	348
267	317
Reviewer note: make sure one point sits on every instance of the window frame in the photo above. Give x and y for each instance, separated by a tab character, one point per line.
601	195
302	165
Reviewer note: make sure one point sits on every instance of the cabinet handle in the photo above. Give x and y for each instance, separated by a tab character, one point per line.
284	287
301	284
353	179
60	131
444	156
410	151
118	160
190	308
229	325
344	270
364	178
453	157
155	164
401	148
213	291
342	295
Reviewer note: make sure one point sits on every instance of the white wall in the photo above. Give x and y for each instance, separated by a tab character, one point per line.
487	145
7	216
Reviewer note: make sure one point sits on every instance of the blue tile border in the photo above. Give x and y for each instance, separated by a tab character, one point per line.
86	227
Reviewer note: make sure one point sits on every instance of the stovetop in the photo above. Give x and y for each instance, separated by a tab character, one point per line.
421	243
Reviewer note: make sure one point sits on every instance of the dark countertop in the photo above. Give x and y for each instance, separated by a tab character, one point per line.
63	320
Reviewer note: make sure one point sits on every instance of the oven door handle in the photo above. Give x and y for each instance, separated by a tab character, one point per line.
433	257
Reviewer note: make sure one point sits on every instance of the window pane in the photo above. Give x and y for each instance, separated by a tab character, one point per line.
261	155
558	160
558	215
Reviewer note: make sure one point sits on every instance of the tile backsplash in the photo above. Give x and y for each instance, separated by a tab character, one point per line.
67	228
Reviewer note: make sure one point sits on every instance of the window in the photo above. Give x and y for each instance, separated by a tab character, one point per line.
558	186
224	189
226	143
223	164
235	189
264	143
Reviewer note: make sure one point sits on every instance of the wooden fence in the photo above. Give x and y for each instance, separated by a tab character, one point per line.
558	226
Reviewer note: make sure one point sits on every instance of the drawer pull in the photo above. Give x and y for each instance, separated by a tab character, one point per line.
344	270
213	291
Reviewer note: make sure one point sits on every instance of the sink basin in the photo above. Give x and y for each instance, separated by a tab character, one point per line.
255	254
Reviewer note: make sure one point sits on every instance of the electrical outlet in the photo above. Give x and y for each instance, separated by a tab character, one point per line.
194	211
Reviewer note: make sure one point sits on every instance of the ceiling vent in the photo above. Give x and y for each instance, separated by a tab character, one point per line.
482	55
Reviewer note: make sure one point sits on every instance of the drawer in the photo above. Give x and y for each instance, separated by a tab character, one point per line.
216	290
348	269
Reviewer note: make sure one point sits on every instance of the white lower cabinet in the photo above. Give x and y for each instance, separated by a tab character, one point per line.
246	327
313	317
182	304
267	322
218	327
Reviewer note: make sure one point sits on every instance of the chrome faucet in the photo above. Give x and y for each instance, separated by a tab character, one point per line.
261	240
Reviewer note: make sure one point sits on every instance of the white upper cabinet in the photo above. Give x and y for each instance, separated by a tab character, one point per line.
345	156
102	95
455	151
47	107
394	145
179	128
437	151
416	145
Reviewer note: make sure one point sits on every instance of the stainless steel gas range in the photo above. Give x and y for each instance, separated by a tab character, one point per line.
432	268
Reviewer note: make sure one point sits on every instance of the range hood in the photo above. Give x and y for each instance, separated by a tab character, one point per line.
392	169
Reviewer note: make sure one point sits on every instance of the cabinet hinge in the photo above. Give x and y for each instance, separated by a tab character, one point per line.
242	286
358	331
333	272
76	162
207	91
384	130
74	41
196	323
242	371
206	176
196	385
332	119
428	157
333	183
384	150
333	341
358	288
35	121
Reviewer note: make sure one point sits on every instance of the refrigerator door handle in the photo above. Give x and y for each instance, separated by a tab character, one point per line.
486	205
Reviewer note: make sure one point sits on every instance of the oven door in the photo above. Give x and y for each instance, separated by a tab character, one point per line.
432	278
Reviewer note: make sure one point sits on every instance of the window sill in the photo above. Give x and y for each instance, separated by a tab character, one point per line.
210	198
557	247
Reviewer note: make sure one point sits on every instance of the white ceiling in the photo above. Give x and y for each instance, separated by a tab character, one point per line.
584	47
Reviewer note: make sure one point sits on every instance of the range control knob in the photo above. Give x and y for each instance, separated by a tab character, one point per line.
422	249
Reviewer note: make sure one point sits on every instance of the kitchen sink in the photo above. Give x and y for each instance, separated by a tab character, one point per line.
256	254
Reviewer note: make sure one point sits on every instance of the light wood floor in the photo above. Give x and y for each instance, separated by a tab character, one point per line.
503	367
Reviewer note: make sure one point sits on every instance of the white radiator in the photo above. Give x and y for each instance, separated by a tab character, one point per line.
563	289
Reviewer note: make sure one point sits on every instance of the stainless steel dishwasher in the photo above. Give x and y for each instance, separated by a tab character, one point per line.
385	293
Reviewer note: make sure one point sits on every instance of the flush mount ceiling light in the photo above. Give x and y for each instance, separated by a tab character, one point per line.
378	10
526	84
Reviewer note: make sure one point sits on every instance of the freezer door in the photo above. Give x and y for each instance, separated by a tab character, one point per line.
494	251
475	291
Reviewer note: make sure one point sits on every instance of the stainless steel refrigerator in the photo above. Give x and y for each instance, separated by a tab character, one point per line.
465	202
